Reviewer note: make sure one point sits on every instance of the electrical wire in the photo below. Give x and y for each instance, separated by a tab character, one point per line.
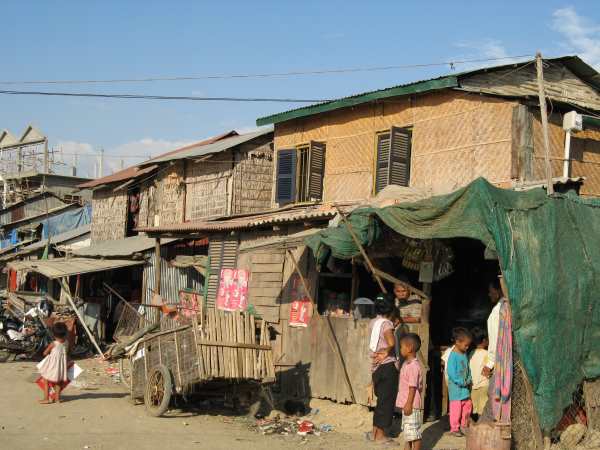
451	64
164	97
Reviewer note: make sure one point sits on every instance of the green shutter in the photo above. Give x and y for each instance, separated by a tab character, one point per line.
316	170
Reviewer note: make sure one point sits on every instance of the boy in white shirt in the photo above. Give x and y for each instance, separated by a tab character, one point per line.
478	360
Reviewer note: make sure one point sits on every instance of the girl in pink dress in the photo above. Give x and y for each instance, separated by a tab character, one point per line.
53	368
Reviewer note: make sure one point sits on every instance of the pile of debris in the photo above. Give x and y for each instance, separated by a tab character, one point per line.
279	423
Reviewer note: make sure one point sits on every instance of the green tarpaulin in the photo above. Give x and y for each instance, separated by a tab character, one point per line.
549	250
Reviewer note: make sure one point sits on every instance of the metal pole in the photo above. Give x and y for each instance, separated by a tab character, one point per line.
544	114
46	159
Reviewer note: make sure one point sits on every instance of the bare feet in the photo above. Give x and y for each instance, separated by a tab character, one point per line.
45	402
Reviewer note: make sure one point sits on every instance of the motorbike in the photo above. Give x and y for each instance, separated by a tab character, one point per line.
28	338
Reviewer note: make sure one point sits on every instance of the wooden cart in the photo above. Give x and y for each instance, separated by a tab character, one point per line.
226	348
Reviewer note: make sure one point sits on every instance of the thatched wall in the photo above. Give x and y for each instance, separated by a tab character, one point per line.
253	178
208	187
457	137
109	215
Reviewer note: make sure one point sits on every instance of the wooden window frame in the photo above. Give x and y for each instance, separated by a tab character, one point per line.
300	184
409	130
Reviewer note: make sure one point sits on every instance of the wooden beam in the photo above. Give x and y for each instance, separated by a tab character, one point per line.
392	279
67	291
544	112
362	251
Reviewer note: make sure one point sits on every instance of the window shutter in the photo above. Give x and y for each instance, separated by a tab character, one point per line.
400	156
286	176
222	251
383	162
317	170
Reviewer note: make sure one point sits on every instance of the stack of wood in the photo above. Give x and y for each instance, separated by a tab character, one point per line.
230	348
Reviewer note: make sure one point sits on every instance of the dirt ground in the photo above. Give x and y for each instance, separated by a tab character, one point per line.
96	414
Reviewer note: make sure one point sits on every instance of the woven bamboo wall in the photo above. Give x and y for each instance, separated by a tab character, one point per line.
170	193
585	154
109	215
207	187
253	178
457	137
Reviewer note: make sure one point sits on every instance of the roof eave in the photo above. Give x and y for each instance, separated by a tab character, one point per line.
413	88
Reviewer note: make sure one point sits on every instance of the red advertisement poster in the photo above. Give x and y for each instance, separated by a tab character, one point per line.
233	290
188	304
301	309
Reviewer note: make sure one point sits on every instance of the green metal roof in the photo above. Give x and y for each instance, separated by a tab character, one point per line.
574	63
404	89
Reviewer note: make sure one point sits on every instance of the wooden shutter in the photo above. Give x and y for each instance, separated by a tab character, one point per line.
286	176
382	169
316	170
400	156
222	251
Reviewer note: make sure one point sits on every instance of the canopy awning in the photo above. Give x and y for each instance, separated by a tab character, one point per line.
64	267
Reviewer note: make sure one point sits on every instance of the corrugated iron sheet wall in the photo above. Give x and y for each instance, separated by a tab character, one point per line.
33	208
172	279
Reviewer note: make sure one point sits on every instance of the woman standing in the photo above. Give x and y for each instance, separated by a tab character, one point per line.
383	367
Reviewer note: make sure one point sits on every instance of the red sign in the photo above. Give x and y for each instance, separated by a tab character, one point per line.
233	290
301	309
188	304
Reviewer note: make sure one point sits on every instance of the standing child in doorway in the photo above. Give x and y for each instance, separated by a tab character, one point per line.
53	368
478	360
410	392
459	383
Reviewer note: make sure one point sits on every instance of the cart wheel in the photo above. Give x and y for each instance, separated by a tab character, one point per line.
159	388
4	356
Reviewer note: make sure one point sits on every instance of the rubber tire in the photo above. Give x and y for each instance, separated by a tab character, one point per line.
161	408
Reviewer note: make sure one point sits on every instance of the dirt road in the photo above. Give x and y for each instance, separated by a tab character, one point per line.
100	416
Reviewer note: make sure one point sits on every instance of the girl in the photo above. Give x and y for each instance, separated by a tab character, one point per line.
53	368
383	367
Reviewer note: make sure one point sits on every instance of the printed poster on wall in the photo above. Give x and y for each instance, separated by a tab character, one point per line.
233	290
188	304
301	309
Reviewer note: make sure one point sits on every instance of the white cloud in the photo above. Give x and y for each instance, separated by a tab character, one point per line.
482	49
251	128
123	155
582	35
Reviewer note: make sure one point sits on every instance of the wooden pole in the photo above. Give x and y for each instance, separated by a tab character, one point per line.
362	251
544	114
157	265
335	345
65	288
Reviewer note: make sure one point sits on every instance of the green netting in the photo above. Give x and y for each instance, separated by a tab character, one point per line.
549	250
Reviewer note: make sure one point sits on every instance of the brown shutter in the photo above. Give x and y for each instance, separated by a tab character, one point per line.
383	161
400	156
316	170
222	251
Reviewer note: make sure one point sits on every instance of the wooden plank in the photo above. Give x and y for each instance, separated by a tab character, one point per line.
268	268
269	313
267	297
256	284
267	276
253	341
226	351
267	258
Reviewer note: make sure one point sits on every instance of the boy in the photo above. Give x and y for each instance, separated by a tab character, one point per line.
477	361
459	382
410	391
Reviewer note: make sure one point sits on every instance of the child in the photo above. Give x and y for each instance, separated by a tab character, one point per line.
53	368
477	361
459	382
410	391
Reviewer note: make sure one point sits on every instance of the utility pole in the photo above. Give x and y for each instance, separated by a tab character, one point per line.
101	165
544	113
46	159
74	169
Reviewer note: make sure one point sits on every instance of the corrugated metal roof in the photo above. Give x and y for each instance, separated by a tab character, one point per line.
194	151
238	223
574	63
59	238
64	267
119	247
121	175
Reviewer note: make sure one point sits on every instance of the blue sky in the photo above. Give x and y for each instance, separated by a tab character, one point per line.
117	39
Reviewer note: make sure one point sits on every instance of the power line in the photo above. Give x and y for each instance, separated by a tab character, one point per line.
451	64
164	97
